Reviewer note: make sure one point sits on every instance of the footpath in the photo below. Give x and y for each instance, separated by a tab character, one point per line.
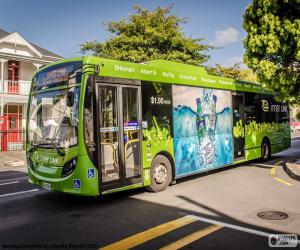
13	161
293	168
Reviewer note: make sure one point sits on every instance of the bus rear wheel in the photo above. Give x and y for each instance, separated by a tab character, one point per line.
265	150
161	174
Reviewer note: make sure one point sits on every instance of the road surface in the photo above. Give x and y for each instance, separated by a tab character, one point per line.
215	210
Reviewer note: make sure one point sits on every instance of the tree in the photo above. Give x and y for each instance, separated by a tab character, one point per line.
273	44
235	72
148	35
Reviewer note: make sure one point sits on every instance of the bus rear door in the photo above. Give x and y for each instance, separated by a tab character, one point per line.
238	125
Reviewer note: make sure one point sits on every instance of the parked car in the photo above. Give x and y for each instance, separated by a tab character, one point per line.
295	124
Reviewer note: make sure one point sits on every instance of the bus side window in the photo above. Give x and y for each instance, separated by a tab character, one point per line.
250	108
157	108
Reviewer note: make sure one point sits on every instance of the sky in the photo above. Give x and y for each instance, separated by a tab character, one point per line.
62	25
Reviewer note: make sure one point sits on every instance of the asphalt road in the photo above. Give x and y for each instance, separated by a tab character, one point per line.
216	210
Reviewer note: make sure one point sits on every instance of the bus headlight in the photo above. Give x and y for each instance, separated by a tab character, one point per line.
69	167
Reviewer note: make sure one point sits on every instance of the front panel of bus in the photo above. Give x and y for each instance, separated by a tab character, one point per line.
53	131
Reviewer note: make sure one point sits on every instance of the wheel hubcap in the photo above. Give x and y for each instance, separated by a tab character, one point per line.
160	173
265	150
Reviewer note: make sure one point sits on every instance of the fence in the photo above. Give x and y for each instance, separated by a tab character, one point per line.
12	140
16	87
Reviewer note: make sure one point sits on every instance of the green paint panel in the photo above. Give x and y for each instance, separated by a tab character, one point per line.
277	133
88	186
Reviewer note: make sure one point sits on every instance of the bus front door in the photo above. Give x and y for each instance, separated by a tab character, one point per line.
120	135
238	125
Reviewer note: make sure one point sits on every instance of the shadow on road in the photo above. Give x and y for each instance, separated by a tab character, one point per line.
60	218
12	174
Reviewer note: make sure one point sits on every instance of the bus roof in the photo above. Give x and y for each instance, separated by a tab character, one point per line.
165	72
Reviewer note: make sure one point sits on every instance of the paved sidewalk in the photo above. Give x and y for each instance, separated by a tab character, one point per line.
295	135
13	160
293	169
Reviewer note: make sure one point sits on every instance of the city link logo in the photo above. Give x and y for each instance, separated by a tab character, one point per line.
266	107
37	157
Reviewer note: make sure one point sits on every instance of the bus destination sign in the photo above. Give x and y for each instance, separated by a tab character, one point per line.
57	74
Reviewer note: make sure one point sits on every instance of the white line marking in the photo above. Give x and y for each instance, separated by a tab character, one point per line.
18	163
263	165
239	228
7	183
22	192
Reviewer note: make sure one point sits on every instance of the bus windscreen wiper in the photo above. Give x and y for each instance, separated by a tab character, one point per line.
34	147
53	145
59	151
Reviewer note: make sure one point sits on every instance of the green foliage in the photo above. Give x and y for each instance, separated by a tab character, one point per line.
238	129
235	72
157	133
256	131
148	35
273	44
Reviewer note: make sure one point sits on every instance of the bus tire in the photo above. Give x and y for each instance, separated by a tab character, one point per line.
265	150
161	174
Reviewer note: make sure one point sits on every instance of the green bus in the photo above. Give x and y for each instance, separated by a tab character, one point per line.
97	126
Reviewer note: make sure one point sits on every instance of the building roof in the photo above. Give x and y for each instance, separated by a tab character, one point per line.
3	33
43	51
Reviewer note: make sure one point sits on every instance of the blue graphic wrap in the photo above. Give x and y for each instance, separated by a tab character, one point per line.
202	138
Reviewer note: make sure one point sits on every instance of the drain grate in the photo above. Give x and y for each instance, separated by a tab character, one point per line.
272	215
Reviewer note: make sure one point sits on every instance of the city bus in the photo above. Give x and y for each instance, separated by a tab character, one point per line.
97	126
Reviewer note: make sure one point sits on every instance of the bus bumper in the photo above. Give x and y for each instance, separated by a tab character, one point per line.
83	181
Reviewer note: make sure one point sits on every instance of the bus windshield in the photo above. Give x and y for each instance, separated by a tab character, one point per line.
51	122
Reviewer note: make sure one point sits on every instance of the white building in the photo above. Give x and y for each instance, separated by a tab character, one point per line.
19	59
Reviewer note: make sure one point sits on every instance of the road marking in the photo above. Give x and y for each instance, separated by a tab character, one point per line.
17	164
278	163
239	228
22	192
8	183
192	237
150	234
283	181
273	170
224	224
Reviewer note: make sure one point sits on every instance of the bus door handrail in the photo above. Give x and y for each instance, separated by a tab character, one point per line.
114	152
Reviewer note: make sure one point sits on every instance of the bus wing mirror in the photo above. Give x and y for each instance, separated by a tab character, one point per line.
70	99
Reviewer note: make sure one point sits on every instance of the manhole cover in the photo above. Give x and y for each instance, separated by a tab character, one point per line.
272	215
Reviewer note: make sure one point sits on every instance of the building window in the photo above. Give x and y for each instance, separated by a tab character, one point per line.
13	77
12	117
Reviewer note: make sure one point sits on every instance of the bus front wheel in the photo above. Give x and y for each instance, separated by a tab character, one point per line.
265	150
161	173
